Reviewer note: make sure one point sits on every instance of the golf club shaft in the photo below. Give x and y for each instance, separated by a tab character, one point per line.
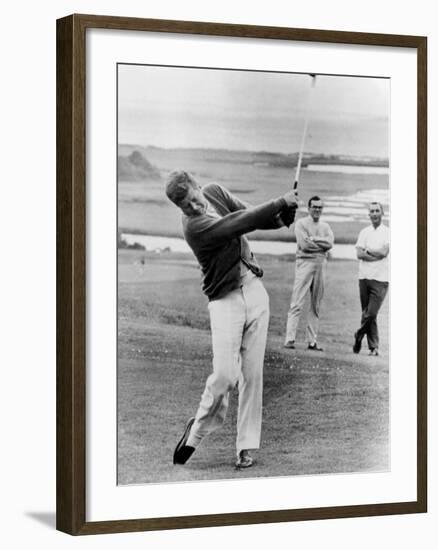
303	137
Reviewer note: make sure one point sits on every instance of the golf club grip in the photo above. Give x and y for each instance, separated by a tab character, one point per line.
295	185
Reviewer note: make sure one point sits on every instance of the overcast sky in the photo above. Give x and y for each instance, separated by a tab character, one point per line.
183	107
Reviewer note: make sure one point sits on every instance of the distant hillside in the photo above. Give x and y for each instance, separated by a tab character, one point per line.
266	158
136	167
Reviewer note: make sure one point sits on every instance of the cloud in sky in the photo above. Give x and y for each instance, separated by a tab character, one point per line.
184	107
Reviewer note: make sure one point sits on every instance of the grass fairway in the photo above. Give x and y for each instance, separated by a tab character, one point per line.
323	412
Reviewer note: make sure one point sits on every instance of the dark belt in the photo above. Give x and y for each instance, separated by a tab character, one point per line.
258	271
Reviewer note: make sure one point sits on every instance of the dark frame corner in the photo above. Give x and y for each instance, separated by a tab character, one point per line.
71	266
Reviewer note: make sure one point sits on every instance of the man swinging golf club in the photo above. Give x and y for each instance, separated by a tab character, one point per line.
214	224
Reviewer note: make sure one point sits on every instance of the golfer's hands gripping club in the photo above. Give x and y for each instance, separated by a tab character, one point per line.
287	215
291	197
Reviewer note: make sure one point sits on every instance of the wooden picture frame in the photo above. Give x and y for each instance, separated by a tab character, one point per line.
71	273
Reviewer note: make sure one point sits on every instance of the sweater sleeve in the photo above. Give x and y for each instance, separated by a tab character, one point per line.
221	197
330	235
212	232
225	202
301	234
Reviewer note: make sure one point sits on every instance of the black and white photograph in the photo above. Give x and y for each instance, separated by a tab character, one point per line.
253	244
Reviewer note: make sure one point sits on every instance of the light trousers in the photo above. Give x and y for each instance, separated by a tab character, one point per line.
309	277
239	326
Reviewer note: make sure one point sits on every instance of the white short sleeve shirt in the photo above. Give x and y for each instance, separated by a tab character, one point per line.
374	239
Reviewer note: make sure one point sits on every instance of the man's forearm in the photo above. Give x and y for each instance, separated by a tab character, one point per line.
314	244
243	221
309	247
274	223
378	253
362	254
323	244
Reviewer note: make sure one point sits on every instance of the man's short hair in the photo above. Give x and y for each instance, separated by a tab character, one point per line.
178	184
373	203
314	198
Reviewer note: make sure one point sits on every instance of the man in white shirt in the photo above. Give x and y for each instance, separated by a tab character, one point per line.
314	240
372	249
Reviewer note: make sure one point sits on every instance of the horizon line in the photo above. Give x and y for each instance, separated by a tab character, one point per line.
258	151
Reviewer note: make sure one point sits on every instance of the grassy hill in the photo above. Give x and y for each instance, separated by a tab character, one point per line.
136	167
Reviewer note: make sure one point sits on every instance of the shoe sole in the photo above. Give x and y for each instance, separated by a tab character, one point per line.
246	464
181	443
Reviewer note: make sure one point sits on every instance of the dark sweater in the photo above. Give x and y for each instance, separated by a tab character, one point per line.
219	244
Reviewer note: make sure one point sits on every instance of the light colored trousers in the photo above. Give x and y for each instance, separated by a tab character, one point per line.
309	276
239	326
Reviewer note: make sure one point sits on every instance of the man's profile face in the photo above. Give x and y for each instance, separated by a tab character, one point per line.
375	214
194	203
315	210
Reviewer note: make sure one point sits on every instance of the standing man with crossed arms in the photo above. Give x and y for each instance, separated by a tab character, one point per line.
214	224
314	240
372	248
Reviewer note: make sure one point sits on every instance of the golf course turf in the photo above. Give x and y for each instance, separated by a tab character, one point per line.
324	412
